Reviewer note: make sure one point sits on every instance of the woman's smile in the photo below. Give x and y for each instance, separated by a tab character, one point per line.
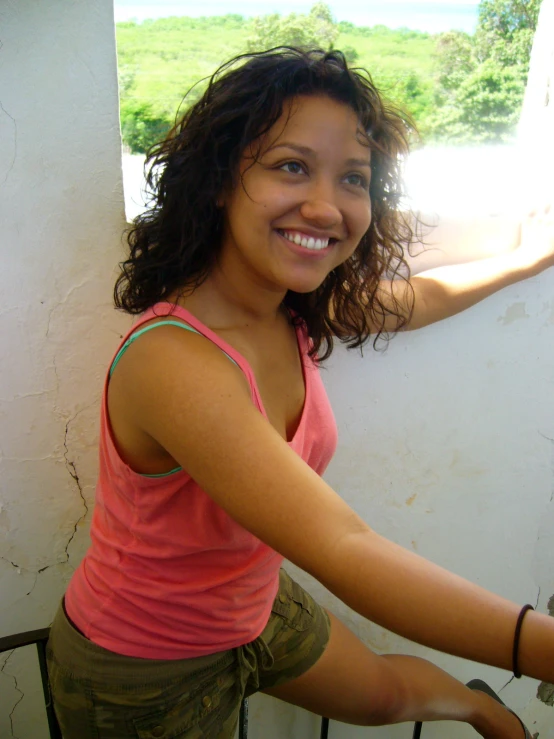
307	246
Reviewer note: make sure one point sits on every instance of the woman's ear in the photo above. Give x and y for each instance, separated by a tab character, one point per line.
221	200
225	194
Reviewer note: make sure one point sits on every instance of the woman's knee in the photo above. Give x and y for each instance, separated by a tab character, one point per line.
387	699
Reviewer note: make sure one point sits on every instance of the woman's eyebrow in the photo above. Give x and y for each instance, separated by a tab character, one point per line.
306	151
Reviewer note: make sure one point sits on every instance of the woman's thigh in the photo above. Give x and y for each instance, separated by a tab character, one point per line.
348	683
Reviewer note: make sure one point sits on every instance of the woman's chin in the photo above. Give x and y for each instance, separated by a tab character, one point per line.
305	283
304	287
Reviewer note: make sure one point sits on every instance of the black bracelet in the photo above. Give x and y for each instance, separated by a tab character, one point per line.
517	634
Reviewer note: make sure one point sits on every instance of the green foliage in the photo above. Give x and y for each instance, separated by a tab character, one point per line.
160	61
456	59
415	95
346	27
506	29
457	88
141	127
481	79
485	107
350	54
323	25
315	30
126	75
163	62
410	92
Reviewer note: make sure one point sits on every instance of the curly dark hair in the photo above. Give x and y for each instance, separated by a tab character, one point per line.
174	244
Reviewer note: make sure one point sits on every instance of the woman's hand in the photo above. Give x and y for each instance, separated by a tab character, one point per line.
444	291
535	252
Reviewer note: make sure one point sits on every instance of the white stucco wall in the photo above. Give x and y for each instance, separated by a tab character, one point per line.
446	439
61	212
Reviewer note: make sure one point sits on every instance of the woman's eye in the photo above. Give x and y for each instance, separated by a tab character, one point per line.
292	167
354	178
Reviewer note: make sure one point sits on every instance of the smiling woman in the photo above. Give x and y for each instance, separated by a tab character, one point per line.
343	107
275	228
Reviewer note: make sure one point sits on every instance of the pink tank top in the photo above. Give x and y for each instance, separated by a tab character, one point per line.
169	574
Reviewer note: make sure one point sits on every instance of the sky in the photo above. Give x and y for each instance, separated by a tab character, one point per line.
433	16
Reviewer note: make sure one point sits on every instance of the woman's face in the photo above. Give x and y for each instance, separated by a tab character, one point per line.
303	204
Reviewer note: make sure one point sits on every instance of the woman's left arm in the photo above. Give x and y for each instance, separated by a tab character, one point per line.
444	291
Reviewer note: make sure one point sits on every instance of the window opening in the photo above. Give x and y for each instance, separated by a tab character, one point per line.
457	69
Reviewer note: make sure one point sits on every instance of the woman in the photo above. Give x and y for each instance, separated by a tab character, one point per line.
275	229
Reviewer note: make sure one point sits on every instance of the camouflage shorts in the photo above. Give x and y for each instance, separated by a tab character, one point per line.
102	695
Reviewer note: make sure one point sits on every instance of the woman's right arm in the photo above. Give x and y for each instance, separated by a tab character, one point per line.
182	391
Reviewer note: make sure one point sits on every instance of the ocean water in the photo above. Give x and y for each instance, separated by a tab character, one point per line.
434	17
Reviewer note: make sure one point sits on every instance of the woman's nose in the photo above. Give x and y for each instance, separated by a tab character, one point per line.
320	207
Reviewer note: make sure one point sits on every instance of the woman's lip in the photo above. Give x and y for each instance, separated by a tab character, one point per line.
302	250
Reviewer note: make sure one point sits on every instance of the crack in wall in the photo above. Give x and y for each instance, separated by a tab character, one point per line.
33	585
13	564
23	396
14	141
55	368
70	466
27	459
62	302
16	686
21	569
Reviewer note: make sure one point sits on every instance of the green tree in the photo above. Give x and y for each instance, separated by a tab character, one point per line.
484	109
408	91
323	25
505	30
481	79
455	51
350	54
315	30
142	126
126	76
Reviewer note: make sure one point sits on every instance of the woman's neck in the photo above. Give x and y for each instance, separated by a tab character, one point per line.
218	301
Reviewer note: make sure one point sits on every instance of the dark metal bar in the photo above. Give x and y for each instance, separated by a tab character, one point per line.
40	638
55	732
324	728
14	641
243	720
417	730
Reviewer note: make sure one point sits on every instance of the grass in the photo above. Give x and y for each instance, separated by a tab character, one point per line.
161	60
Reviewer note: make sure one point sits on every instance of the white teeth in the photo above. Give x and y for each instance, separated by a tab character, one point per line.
307	243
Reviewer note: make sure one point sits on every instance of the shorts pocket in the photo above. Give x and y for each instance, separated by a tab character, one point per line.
180	717
294	605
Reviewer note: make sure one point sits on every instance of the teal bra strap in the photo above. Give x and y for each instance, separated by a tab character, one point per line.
128	343
135	336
